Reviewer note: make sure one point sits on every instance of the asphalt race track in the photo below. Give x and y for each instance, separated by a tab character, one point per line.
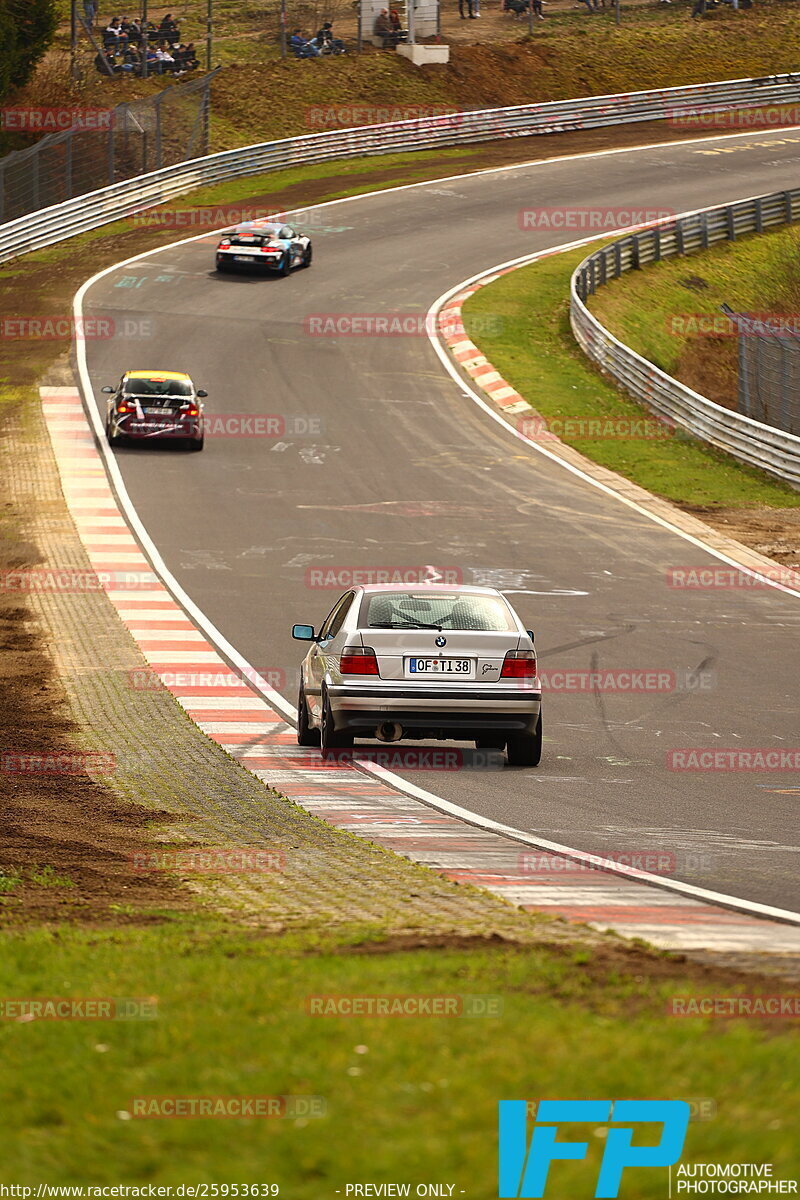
404	470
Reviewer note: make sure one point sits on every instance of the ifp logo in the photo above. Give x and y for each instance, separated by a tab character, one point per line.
524	1169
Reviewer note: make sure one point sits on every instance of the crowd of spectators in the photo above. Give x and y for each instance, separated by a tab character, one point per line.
128	44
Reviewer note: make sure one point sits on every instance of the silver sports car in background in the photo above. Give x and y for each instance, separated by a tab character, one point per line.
263	245
421	661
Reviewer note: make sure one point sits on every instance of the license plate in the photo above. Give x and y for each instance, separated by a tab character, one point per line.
244	257
440	666
153	412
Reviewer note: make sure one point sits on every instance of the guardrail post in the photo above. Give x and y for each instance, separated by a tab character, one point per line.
35	182
68	166
759	216
730	217
704	230
110	147
635	257
2	192
603	268
657	244
679	238
159	163
617	260
788	199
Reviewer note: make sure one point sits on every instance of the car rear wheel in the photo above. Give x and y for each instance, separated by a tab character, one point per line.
525	749
306	257
222	266
306	736
332	739
286	265
193	446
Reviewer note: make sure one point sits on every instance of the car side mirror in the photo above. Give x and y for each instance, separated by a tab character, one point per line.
200	392
110	390
304	633
530	634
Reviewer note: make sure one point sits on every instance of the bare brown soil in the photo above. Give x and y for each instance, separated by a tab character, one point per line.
64	830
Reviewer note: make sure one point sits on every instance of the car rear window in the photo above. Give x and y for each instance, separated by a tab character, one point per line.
456	610
158	387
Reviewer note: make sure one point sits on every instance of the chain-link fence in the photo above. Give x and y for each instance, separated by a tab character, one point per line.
769	370
106	146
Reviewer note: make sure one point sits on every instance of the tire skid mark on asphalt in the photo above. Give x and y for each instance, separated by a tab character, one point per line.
247	728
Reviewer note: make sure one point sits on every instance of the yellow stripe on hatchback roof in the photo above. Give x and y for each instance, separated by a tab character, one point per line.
157	375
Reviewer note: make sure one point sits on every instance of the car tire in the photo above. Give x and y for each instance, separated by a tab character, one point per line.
306	735
114	440
222	266
286	265
306	257
525	749
332	739
490	741
195	446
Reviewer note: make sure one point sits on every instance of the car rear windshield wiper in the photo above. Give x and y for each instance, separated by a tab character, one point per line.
406	625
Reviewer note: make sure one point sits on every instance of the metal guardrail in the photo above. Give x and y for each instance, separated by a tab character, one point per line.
682	104
116	144
752	442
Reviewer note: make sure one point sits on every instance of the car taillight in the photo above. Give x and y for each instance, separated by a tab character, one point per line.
125	407
192	411
358	660
270	249
519	664
224	244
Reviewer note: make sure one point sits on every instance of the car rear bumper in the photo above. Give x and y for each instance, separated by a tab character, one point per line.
426	711
150	431
257	262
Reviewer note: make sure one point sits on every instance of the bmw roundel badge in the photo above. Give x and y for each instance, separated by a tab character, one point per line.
441	641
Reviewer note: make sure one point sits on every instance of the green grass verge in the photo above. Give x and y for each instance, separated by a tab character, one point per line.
407	1098
530	343
649	308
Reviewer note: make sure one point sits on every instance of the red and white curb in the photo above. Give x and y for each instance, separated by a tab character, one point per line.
249	729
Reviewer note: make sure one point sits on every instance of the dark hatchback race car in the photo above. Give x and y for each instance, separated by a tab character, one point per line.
263	246
155	406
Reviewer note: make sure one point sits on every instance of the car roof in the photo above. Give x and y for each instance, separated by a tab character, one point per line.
157	375
412	588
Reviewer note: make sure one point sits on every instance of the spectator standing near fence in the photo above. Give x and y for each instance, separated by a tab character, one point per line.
470	9
89	12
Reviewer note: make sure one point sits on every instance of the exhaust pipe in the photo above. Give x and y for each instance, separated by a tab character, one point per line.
389	731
